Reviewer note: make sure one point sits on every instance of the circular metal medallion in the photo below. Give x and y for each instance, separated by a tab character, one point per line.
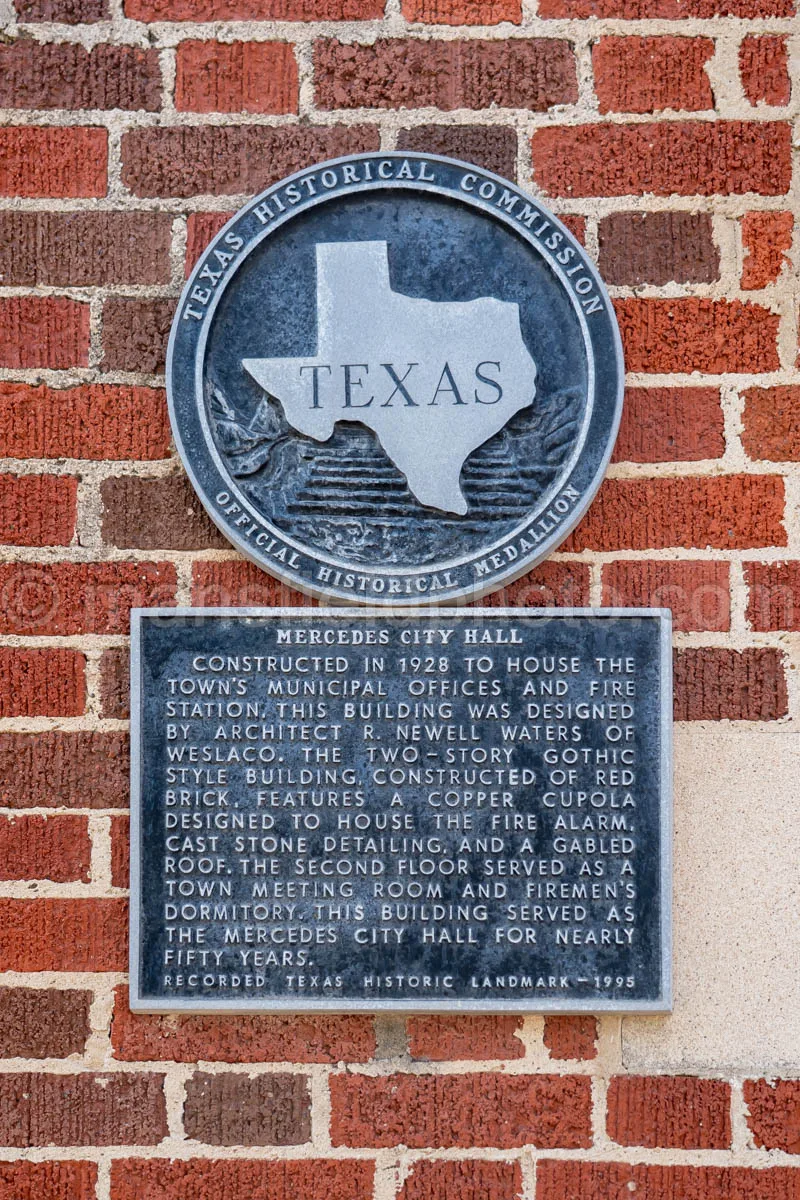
395	378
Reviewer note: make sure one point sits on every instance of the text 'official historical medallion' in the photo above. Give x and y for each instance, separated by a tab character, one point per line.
395	378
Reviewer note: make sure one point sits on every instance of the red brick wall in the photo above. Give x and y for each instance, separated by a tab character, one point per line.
661	131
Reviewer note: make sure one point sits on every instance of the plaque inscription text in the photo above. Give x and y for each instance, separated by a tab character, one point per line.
429	810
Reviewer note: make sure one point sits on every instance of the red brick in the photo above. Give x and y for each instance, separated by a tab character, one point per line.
532	73
684	157
658	248
69	598
41	682
42	1023
463	12
644	74
698	593
63	935
771	422
44	331
37	510
551	584
764	67
97	421
135	334
724	511
254	10
53	769
151	514
670	425
714	336
200	229
766	240
774	1113
82	1110
66	75
67	12
59	161
470	1179
239	1110
229	160
443	1039
677	1111
669	10
254	77
317	1038
493	147
240	1178
610	1181
238	583
713	684
774	595
121	852
52	847
84	249
115	683
483	1109
50	1180
571	1037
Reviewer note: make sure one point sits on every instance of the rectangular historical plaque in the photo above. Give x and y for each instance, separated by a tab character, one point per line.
426	810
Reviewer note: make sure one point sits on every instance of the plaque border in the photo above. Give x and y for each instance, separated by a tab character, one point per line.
663	1003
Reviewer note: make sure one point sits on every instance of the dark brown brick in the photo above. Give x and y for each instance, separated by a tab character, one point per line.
482	1109
657	248
42	1023
150	514
235	1110
135	334
316	1038
82	1110
228	160
241	1179
676	1111
661	424
253	10
115	683
54	769
493	147
531	73
66	75
84	249
716	684
49	1180
68	12
253	77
